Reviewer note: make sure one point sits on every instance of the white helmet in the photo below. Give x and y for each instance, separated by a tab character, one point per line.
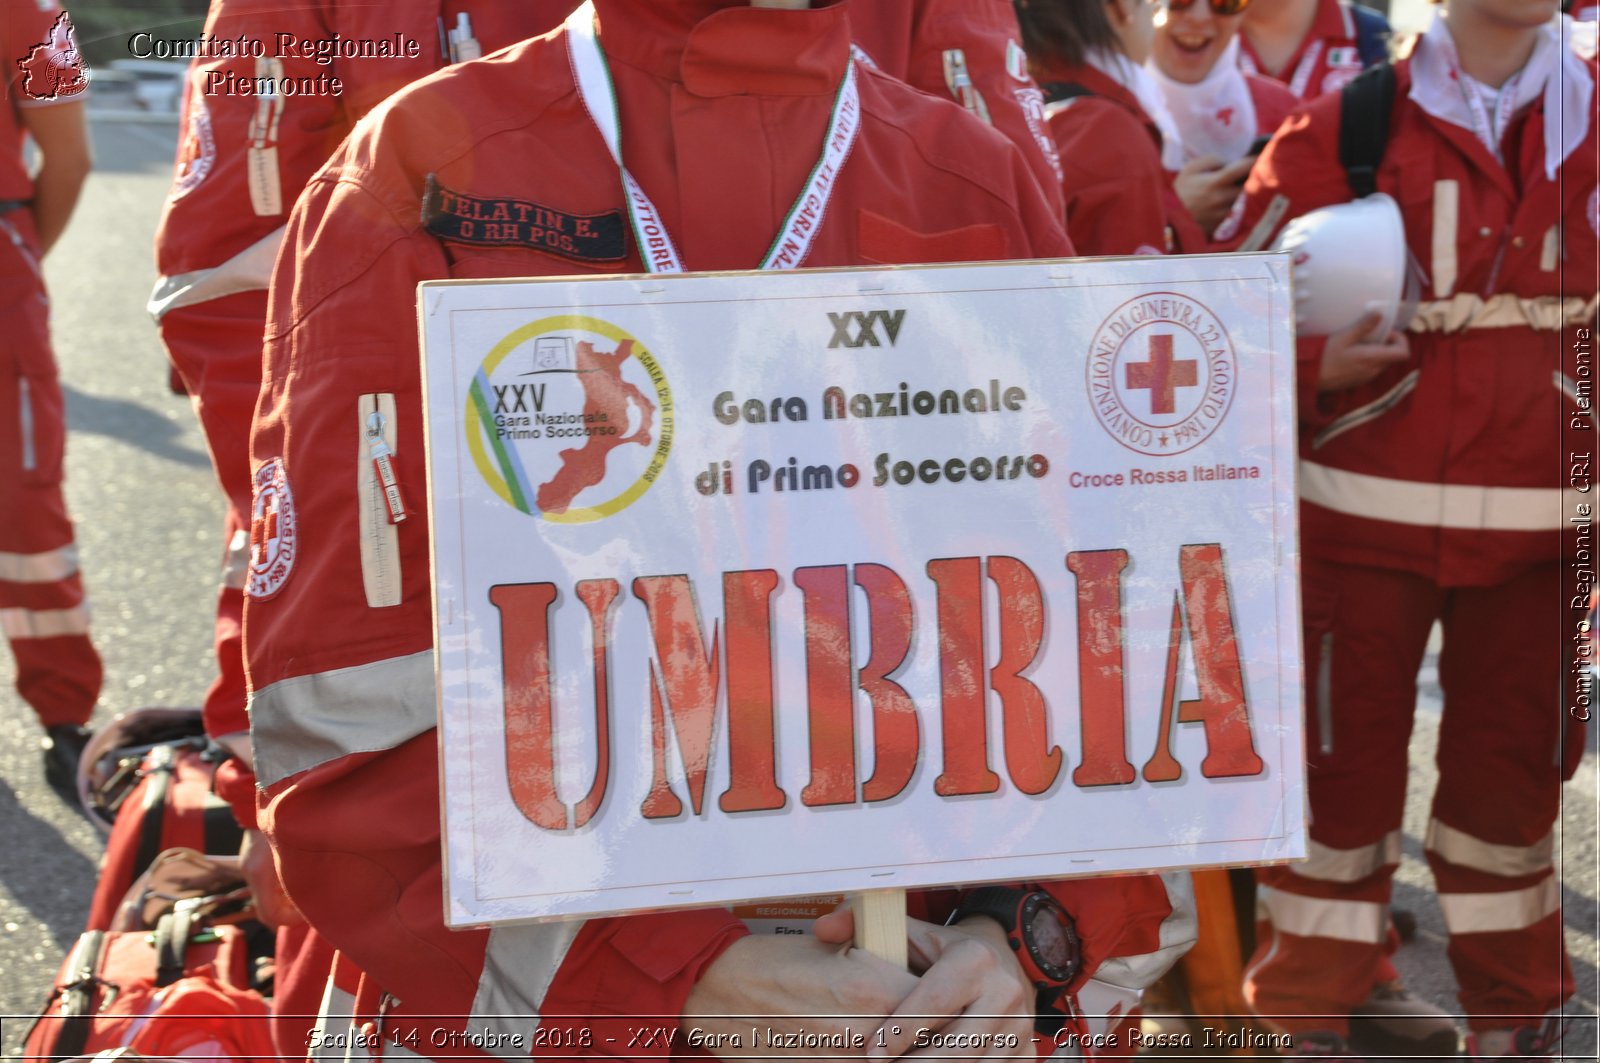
1347	260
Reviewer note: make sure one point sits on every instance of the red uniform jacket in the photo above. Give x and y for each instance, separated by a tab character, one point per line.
245	158
343	705
1119	199
944	46
1273	102
211	213
938	46
1448	465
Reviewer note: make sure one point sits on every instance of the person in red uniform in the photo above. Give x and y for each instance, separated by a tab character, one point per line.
968	51
1431	486
1221	112
1117	142
1312	46
342	711
43	611
244	159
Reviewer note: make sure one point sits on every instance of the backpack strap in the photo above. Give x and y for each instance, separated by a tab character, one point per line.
172	942
1372	35
79	997
1364	106
160	769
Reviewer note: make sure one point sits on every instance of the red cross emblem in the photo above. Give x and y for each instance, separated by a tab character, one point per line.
1162	375
265	532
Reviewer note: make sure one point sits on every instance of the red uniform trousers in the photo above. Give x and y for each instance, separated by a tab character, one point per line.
43	611
1489	842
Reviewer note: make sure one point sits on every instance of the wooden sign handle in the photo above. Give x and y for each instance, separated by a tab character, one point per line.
881	924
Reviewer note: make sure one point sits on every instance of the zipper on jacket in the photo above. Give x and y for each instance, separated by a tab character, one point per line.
464	47
30	454
1371	411
380	506
1325	696
383	467
959	81
261	156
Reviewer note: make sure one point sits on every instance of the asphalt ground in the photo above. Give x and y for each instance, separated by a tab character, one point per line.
149	525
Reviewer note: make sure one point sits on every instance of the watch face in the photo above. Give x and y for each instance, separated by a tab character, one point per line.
1049	939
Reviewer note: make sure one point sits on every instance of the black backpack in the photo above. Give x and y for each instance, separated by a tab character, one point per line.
1364	106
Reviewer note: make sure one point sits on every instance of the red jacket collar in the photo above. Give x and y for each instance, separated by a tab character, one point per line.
1098	84
726	47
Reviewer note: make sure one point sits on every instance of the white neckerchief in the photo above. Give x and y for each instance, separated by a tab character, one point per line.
1216	115
1120	68
660	254
1440	88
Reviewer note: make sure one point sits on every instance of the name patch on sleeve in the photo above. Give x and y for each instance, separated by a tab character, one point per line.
520	223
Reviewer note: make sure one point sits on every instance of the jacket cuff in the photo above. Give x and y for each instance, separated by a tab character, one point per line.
1315	408
235	783
622	968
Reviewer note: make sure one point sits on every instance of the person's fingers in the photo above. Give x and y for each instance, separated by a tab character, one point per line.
964	1039
1398	341
1202	164
1237	170
838	927
1362	328
1391	349
967	975
925	943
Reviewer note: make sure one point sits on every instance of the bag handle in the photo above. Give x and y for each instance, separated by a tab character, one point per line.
172	941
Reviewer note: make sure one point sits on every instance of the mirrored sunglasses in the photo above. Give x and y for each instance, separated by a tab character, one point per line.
1218	7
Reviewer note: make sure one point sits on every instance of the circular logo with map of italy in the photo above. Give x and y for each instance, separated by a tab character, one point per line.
1161	373
569	419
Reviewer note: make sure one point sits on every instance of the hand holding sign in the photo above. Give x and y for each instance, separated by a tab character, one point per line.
771	996
972	998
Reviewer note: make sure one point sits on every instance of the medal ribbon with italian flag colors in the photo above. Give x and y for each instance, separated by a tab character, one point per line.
656	248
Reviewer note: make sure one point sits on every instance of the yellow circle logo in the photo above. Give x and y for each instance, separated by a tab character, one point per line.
570	419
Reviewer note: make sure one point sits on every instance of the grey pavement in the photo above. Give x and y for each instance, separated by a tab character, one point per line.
149	523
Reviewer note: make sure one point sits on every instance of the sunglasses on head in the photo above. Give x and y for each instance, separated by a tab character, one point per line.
1218	7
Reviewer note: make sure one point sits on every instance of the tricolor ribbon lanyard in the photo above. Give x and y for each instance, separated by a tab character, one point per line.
656	248
1301	81
1490	129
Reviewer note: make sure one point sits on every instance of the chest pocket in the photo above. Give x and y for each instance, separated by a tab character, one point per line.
1430	203
885	242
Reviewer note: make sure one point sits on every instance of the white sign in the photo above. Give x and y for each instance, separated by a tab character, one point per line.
763	585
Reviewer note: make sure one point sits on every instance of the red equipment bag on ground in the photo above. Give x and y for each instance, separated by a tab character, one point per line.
180	991
149	778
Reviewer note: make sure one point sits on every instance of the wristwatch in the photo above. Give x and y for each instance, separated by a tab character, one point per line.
1039	930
